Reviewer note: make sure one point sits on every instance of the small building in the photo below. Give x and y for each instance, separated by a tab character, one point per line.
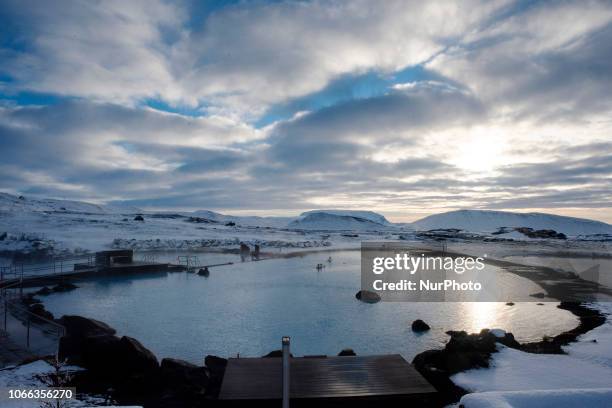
109	258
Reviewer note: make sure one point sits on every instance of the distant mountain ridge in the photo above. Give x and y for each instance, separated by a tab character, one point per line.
340	220
483	221
9	203
247	220
490	221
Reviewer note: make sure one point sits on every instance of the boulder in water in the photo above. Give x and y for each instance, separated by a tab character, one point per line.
64	287
368	296
420	326
44	291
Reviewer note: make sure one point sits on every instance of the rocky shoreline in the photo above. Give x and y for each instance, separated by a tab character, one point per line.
467	351
123	370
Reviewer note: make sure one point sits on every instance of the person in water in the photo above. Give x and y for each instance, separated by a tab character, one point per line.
255	253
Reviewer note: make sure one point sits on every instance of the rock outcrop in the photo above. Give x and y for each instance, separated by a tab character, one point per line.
368	296
420	326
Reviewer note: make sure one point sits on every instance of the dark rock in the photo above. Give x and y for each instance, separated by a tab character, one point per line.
540	304
44	291
216	368
21	197
101	354
347	352
3	236
135	357
64	287
230	224
420	326
79	326
460	341
183	376
200	220
30	299
367	296
509	303
215	364
139	218
39	310
462	352
109	356
545	233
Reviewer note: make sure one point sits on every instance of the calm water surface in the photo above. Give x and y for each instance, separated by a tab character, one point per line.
246	307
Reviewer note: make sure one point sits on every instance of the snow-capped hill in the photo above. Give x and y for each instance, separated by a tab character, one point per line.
11	203
247	220
210	215
490	221
340	220
366	215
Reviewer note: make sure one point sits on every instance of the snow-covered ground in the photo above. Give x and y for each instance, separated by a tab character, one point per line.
490	221
66	227
28	376
564	398
63	227
584	375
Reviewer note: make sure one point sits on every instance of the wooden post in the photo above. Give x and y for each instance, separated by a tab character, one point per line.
286	384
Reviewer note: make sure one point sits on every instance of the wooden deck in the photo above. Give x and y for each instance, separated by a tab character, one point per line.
323	378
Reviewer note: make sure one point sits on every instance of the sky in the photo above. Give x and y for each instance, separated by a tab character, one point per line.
406	108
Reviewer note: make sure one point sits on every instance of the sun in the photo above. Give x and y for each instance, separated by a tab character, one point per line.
481	151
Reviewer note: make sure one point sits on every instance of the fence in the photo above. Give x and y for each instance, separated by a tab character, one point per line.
36	334
39	335
55	266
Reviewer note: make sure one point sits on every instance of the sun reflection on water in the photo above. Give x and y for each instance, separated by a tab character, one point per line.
483	314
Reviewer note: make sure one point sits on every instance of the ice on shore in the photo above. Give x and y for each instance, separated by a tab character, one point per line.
568	398
572	377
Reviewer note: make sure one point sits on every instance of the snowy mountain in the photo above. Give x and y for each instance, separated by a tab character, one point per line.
490	221
249	221
11	203
340	220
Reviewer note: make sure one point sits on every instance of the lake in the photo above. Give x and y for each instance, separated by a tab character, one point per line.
247	307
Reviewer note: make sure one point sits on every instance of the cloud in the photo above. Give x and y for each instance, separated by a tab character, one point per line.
283	105
526	66
240	58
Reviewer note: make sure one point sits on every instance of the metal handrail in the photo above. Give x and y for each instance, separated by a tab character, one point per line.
26	316
60	328
54	266
32	320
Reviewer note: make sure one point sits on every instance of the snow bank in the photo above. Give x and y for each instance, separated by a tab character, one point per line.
583	377
490	221
570	398
514	370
